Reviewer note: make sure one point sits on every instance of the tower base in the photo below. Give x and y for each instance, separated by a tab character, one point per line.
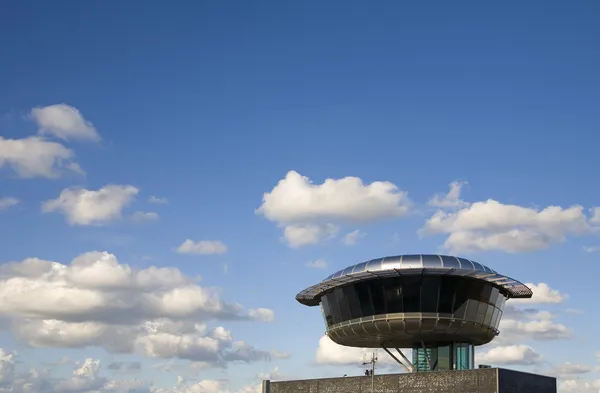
484	380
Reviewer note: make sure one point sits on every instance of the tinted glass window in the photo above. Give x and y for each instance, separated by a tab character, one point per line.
489	313
446	296
429	294
472	307
393	295
494	296
352	300
486	293
481	311
474	289
364	298
342	304
326	311
412	294
377	296
333	307
461	294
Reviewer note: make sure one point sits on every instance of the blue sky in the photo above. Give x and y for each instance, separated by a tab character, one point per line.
213	105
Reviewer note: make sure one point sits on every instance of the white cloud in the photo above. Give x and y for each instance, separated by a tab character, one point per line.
542	329
330	353
64	122
141	216
579	386
542	294
451	199
491	225
36	157
351	238
299	235
203	247
89	207
262	314
308	211
97	301
572	369
158	200
8	202
591	249
509	355
280	355
317	264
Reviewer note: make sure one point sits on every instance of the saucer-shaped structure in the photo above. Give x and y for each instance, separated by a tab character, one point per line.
429	302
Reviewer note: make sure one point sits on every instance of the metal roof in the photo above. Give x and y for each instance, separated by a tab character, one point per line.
404	265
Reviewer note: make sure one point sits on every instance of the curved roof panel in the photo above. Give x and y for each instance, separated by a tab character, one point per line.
413	265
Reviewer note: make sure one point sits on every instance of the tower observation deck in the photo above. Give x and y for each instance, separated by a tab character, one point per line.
440	306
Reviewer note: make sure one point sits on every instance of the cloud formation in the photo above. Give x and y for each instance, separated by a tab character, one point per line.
309	212
36	157
202	247
64	122
521	355
493	226
92	207
97	301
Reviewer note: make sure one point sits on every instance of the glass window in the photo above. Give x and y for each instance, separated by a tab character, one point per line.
326	311
481	311
474	289
498	318
352	300
429	294
446	296
342	304
472	307
461	311
412	294
444	362
364	298
461	295
486	293
393	295
377	296
494	296
333	307
489	313
494	322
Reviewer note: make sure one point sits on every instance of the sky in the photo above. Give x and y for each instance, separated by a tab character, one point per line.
172	174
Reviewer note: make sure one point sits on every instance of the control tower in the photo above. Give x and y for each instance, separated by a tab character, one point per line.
440	306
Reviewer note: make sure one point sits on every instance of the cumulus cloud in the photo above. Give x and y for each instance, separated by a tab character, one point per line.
569	369
317	264
542	294
451	199
579	386
299	235
522	355
97	301
37	157
262	314
543	330
64	122
351	238
92	207
8	202
492	225
303	208
203	247
330	353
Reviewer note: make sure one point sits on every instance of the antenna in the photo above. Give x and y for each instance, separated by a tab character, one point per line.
372	371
